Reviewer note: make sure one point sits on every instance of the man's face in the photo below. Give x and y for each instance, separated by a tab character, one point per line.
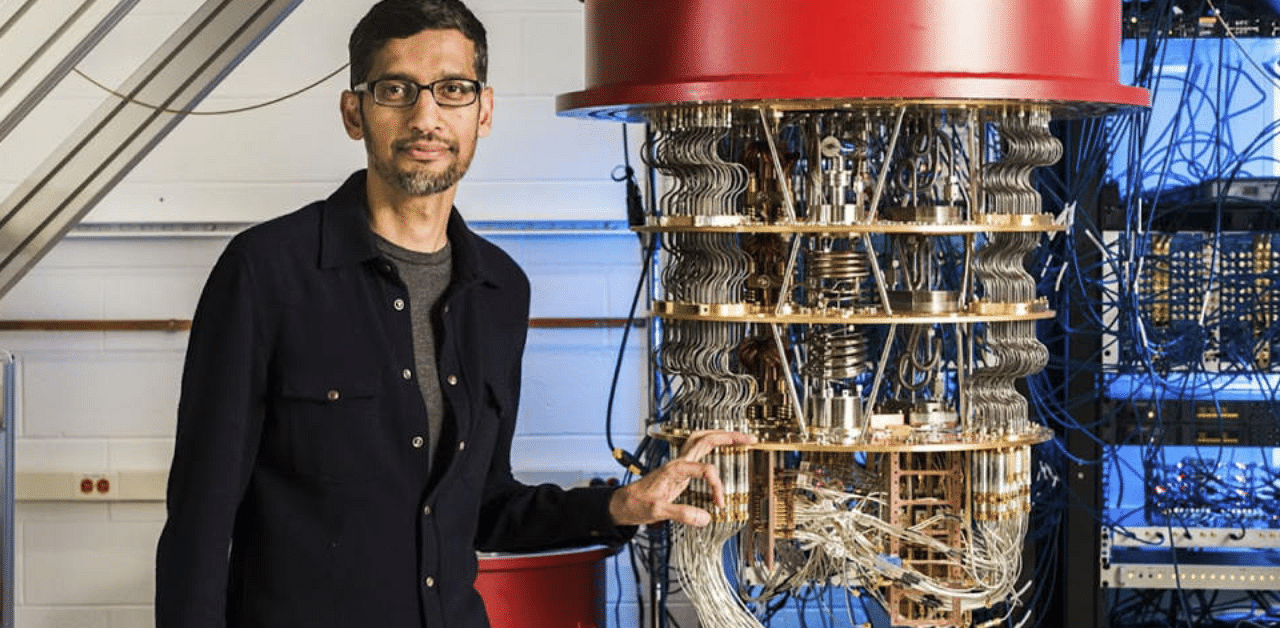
423	149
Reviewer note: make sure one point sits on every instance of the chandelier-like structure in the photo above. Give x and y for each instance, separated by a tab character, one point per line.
846	203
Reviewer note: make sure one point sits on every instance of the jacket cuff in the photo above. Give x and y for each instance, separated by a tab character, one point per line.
602	528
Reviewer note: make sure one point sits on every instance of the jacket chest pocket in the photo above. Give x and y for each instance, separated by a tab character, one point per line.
333	424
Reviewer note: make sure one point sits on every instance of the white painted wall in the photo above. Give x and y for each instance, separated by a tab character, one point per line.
104	402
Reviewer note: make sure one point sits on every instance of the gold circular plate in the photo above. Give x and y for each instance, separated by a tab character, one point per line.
987	223
743	313
916	442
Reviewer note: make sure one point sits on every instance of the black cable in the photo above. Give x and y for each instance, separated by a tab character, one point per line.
635	216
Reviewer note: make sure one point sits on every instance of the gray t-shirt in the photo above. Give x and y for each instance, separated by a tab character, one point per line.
426	275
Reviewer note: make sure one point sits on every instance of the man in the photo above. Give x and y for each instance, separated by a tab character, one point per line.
352	377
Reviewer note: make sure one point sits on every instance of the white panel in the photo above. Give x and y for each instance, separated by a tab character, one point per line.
61	454
69	294
622	290
133	617
149	454
158	293
579	454
576	293
566	392
554	52
249	202
144	511
195	201
547	253
174	341
116	395
45	128
40	42
125	252
37	617
539	200
25	342
569	294
122	50
487	7
296	140
506	53
529	142
37	513
309	44
87	563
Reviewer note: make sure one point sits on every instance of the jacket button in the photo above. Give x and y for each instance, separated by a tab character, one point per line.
417	442
398	304
446	309
426	510
453	380
462	444
429	581
407	374
332	395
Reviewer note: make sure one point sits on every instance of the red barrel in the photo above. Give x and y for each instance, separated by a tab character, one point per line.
654	52
560	589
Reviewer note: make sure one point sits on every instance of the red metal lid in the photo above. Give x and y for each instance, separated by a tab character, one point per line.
643	53
500	561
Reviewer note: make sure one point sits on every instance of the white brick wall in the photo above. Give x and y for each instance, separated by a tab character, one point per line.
104	401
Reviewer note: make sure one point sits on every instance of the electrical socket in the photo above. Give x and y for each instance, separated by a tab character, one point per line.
95	486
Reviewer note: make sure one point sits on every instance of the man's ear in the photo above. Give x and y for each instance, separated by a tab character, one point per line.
486	112
352	115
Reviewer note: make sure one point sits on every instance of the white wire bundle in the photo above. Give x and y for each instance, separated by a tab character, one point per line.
832	524
698	553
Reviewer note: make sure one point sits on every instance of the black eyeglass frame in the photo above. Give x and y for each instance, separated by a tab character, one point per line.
369	87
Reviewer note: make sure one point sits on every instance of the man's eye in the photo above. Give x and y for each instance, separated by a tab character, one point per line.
393	90
454	91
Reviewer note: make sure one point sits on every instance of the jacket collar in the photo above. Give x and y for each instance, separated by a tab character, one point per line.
346	240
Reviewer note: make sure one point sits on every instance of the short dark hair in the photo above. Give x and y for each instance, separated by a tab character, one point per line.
397	19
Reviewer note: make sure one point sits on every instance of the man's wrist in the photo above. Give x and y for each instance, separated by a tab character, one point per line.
618	507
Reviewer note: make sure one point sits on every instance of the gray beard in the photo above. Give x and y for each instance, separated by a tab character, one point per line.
418	183
421	183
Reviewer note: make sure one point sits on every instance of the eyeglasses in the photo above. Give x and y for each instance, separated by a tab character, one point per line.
402	93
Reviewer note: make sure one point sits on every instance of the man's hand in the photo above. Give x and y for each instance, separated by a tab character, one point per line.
652	498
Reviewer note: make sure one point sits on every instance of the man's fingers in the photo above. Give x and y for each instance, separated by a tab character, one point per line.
688	515
712	476
701	443
686	470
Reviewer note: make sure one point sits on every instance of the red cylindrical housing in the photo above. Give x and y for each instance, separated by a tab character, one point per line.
561	588
643	53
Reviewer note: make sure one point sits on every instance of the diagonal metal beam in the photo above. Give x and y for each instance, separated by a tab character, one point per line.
36	59
114	138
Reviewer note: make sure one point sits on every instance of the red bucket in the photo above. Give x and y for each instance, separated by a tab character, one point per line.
559	589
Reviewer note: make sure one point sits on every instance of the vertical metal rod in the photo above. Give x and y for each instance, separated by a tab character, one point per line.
884	167
878	274
783	182
784	291
977	158
875	384
791	382
7	409
966	282
962	388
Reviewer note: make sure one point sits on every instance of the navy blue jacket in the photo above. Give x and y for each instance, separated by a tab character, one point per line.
300	494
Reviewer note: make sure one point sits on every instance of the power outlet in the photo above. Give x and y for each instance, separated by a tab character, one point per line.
96	486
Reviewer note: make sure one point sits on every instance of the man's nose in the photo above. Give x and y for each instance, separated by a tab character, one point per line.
425	115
